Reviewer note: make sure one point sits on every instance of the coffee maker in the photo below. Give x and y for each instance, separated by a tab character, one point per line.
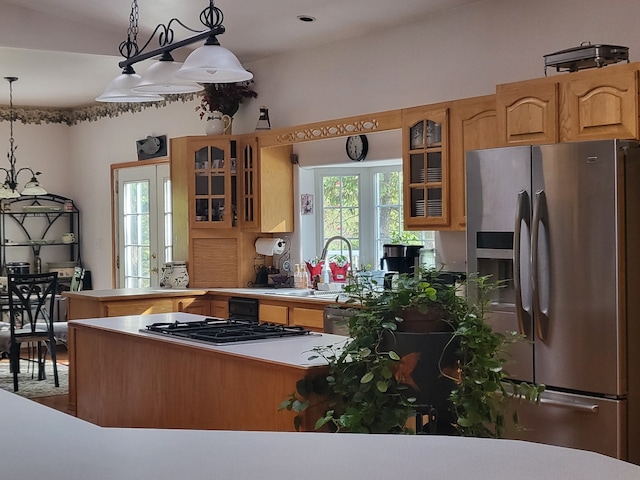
400	258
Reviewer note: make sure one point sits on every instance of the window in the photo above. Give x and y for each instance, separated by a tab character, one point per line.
364	206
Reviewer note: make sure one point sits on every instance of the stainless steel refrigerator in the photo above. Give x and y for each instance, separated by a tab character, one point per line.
560	224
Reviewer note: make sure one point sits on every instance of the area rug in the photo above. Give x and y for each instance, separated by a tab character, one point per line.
32	387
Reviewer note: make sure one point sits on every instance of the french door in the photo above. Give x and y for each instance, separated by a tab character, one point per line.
144	225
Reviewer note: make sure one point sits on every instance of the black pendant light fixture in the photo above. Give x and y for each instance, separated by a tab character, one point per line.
210	63
10	185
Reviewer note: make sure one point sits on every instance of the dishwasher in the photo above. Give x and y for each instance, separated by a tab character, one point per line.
336	319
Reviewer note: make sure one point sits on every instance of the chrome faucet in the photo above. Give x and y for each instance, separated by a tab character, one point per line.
325	250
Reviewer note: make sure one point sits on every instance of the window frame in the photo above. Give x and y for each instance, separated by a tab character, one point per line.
369	232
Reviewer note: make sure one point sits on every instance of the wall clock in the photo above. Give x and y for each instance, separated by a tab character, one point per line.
357	147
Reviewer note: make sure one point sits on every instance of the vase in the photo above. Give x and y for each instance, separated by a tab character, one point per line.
174	275
218	124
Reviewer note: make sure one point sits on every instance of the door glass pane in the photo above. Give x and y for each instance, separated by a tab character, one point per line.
136	234
168	220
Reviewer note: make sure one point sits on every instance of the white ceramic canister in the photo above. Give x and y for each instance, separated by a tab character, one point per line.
174	275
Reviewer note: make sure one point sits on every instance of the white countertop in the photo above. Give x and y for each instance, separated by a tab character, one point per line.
292	351
44	443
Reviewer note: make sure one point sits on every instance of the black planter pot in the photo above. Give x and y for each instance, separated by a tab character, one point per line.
437	353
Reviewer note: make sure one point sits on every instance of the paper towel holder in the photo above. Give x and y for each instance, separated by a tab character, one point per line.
275	243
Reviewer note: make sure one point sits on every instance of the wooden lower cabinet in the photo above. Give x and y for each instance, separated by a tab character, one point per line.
119	380
274	314
219	307
312	319
121	302
195	305
137	307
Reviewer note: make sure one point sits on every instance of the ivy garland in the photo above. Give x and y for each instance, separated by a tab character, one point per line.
87	113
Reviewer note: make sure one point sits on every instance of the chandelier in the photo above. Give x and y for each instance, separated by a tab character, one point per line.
8	189
210	63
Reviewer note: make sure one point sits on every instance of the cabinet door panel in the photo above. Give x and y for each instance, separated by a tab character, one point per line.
473	126
425	143
214	263
307	317
220	308
274	313
138	307
527	113
599	107
195	305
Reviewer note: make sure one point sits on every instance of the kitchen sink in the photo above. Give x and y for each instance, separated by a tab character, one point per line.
291	292
294	292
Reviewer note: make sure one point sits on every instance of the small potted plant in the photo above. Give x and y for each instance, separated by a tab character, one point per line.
224	98
339	265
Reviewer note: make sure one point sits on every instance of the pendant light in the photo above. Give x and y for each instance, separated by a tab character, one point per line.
10	185
120	89
210	63
160	78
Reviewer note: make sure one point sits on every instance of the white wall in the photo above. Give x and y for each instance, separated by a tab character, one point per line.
462	53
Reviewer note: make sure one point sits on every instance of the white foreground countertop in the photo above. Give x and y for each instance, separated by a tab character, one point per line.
45	443
292	351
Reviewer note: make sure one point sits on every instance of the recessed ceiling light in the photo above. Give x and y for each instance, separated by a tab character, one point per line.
306	18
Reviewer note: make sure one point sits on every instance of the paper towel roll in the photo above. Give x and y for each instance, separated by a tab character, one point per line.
270	246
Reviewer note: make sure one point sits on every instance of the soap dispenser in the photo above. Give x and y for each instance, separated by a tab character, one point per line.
326	273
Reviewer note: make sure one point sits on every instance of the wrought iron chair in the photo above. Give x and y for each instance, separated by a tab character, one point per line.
31	302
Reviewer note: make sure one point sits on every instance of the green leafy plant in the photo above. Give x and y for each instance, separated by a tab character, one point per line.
405	238
483	391
368	386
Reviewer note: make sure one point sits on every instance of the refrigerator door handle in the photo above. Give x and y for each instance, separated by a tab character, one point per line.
588	408
523	207
540	217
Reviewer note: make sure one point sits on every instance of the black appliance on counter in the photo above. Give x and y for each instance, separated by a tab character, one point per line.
242	326
400	258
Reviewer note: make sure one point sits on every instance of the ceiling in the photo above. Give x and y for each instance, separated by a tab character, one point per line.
76	43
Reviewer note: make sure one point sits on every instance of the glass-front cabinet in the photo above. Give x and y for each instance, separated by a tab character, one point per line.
425	168
249	206
213	166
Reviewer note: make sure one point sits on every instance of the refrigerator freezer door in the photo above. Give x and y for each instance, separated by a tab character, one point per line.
575	421
580	335
498	192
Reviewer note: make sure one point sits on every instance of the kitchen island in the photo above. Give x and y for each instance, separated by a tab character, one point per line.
84	451
120	376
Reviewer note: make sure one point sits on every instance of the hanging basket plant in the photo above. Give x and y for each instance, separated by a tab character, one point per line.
224	97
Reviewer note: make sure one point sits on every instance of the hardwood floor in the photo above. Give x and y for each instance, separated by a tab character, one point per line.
57	402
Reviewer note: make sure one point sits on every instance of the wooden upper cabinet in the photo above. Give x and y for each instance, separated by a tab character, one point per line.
473	126
528	112
203	171
266	187
599	104
425	167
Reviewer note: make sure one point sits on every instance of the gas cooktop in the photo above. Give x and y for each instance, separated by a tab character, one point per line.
218	331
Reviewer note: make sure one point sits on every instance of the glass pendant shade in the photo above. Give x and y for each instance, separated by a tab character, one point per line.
33	188
6	192
119	90
213	64
160	78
